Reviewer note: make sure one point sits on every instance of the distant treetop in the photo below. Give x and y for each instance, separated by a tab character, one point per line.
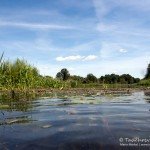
148	72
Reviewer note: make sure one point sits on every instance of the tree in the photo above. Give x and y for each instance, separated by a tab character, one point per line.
91	78
63	74
148	72
77	78
123	79
114	78
59	76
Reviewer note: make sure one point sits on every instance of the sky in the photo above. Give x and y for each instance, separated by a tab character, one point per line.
84	36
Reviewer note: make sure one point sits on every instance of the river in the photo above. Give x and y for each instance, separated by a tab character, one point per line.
77	122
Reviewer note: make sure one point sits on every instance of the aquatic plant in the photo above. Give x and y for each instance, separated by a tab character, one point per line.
18	74
144	82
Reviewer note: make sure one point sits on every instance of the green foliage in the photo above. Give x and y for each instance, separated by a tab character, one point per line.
17	74
63	74
91	78
73	83
123	79
59	76
145	82
147	76
79	79
21	75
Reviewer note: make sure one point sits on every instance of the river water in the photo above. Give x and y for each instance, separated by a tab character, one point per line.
91	122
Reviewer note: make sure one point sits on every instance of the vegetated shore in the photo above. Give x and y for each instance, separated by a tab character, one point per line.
66	92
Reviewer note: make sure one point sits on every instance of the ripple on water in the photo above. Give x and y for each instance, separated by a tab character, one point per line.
74	122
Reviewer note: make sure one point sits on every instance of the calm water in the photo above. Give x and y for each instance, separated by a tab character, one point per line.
78	122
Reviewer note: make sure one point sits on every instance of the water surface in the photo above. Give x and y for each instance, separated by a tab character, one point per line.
77	122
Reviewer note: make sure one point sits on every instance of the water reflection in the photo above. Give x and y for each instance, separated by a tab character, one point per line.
73	122
26	103
14	105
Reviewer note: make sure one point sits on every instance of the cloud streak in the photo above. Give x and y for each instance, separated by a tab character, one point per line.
77	58
90	57
34	25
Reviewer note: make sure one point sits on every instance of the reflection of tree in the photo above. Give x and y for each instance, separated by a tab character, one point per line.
20	106
18	103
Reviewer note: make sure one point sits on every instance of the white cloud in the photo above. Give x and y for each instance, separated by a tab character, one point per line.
34	25
122	50
70	58
90	57
76	58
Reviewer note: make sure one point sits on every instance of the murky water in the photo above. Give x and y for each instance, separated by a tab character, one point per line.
77	122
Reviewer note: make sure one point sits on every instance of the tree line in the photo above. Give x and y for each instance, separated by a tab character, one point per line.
19	74
90	78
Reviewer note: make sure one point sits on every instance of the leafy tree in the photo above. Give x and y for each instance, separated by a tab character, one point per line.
114	78
77	78
59	75
148	72
63	74
123	79
136	80
91	78
128	78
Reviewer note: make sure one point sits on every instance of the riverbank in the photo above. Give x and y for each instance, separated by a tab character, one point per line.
51	92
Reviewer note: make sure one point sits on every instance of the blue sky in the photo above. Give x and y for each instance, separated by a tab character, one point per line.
85	36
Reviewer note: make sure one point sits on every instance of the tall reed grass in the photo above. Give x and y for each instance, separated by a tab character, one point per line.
17	75
20	75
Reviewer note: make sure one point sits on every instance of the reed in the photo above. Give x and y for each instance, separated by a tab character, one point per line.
145	82
17	75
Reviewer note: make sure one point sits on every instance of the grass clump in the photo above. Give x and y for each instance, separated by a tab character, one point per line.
145	82
17	75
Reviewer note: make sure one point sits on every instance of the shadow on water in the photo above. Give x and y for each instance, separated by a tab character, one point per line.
74	121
